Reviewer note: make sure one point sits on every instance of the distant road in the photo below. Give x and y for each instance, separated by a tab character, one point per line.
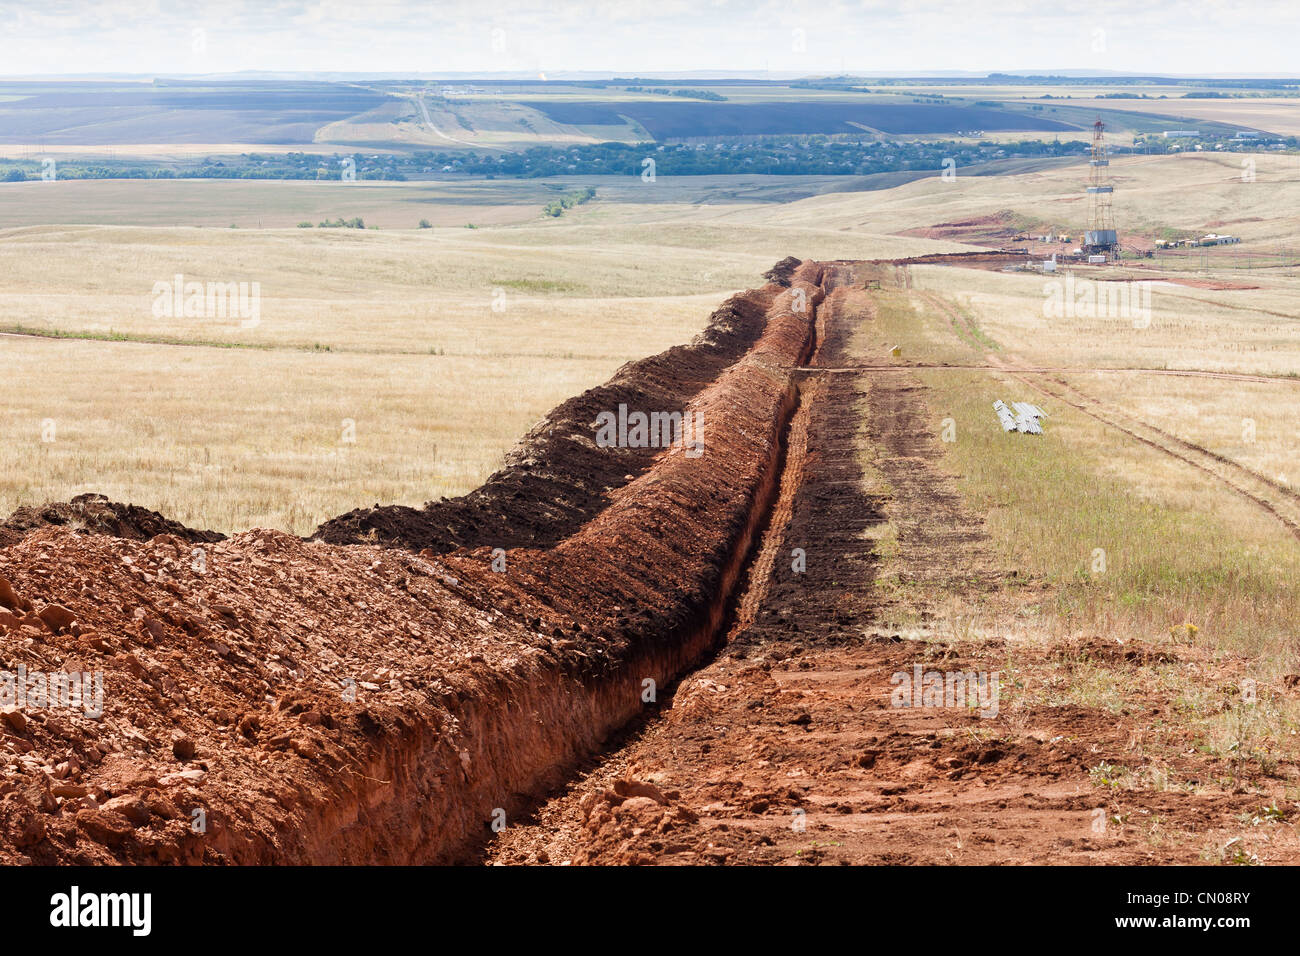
419	101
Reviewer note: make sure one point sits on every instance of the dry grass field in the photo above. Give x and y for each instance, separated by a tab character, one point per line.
232	438
1140	556
1183	535
269	204
1274	114
389	205
1199	191
451	339
465	337
1249	331
1278	115
422	342
1252	423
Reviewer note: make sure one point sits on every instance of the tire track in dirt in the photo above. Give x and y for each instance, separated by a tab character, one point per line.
1253	489
955	317
754	592
1045	369
1236	466
941	540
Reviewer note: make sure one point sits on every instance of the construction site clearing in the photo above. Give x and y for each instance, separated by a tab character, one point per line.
605	654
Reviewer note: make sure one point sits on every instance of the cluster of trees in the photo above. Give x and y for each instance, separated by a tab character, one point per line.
280	169
840	84
357	223
781	155
284	171
684	92
78	171
818	155
556	208
815	155
1157	145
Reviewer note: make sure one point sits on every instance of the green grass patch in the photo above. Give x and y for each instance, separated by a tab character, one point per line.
921	335
539	285
1116	559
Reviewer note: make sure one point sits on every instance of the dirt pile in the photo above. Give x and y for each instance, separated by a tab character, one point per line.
556	479
782	272
250	707
264	699
995	229
95	514
970	260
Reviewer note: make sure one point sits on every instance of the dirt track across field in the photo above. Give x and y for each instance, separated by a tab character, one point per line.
1279	500
1043	369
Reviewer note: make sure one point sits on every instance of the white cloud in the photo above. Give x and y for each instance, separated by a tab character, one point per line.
630	36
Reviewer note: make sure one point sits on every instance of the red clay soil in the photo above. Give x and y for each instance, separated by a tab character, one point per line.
993	259
272	700
995	229
788	749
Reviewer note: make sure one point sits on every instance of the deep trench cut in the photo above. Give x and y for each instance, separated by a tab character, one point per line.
592	711
502	683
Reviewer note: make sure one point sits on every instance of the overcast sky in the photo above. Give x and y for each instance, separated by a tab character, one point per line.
629	36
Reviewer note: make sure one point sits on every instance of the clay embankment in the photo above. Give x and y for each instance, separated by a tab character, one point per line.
269	700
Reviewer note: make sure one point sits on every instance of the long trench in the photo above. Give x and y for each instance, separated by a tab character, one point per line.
745	599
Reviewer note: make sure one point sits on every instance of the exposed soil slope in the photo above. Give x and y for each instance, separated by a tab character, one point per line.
270	700
556	479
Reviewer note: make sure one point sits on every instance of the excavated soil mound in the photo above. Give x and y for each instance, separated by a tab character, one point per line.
557	479
782	272
980	231
970	260
95	514
264	699
257	707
